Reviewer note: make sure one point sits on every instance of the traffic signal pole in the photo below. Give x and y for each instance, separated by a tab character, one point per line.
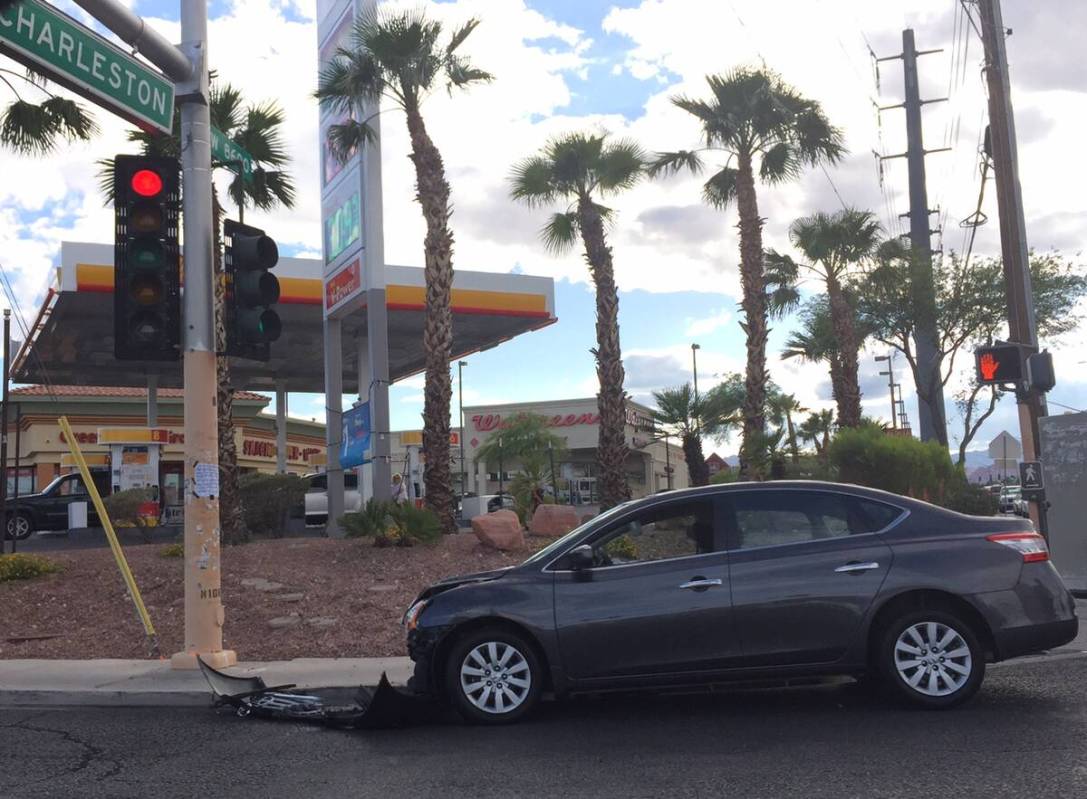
203	576
1013	234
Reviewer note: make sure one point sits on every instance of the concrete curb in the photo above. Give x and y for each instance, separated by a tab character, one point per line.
143	683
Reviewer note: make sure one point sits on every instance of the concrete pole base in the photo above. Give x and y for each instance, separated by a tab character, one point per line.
217	660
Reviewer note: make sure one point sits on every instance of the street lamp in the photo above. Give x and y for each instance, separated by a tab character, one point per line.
460	402
500	485
890	375
694	368
554	482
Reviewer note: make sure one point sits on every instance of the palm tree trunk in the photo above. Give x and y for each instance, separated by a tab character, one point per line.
753	283
698	473
611	400
848	394
794	450
433	195
231	515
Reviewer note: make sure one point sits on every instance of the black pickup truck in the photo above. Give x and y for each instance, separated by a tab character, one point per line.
48	510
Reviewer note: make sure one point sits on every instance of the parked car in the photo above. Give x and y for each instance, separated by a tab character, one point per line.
317	496
500	502
741	581
1009	497
48	509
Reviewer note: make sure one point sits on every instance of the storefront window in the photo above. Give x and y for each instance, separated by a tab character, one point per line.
26	481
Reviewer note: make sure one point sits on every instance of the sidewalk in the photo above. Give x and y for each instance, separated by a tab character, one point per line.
153	683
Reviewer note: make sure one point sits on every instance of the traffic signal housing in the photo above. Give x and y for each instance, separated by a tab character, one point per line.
147	261
252	291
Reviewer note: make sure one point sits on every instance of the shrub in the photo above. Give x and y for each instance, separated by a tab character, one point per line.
389	524
725	476
267	500
173	551
371	522
967	497
25	567
123	507
870	457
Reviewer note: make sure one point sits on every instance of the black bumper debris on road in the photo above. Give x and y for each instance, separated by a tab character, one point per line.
380	707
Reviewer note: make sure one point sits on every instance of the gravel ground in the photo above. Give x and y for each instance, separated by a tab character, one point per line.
352	598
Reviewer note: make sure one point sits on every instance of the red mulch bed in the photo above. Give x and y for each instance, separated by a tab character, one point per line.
366	589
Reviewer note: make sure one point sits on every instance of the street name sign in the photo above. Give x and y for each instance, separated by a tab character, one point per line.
38	36
224	149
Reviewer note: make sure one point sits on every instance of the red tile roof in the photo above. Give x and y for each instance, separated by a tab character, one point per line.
64	392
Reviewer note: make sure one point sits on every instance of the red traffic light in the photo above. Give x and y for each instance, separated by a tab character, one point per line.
146	183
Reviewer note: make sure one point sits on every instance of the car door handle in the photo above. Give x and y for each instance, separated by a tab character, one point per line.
856	566
701	583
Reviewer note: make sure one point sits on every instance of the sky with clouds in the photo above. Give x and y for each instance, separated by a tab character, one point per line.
607	65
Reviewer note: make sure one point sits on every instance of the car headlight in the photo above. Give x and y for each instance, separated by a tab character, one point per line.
411	617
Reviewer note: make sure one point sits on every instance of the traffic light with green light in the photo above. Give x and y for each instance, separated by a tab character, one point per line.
147	261
252	291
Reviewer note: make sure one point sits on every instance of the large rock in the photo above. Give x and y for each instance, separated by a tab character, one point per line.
553	520
499	530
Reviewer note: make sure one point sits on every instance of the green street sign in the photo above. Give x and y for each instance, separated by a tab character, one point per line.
224	149
38	36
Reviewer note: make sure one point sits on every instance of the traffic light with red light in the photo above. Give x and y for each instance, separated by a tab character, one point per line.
252	291
147	262
999	363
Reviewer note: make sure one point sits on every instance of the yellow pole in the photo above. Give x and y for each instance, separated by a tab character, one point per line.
111	535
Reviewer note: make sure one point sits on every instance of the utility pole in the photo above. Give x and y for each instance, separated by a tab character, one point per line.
203	575
930	391
890	373
1013	233
4	435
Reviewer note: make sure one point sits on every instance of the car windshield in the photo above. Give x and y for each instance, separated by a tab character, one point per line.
557	546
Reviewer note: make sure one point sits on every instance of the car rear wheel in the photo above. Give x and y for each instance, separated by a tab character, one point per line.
493	676
20	527
931	658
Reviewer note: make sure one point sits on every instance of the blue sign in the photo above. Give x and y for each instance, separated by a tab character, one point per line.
356	436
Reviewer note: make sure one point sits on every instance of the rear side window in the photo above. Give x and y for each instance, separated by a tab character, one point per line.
874	516
318	483
775	518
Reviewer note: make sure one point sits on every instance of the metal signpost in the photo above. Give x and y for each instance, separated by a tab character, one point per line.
37	35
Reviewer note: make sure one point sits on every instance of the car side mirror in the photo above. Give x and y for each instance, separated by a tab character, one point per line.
580	557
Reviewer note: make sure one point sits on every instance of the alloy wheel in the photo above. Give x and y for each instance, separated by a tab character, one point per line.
18	527
495	677
933	658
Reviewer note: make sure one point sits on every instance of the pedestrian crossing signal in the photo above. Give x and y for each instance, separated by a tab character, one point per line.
999	363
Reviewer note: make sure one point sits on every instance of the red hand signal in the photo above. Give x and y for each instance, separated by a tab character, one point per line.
988	365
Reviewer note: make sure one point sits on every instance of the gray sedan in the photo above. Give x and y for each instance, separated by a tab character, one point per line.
745	581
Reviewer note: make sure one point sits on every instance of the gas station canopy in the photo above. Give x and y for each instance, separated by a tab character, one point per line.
71	341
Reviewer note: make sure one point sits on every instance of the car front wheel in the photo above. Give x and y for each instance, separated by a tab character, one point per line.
20	527
931	659
493	676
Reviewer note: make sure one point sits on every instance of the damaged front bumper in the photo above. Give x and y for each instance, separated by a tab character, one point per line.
371	708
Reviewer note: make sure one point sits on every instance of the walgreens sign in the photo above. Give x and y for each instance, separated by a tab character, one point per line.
486	422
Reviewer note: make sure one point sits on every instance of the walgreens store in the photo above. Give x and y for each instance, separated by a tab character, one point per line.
651	466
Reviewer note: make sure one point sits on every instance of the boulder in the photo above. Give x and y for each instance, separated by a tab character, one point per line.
499	530
553	520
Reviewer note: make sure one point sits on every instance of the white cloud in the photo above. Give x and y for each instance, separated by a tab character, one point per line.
709	324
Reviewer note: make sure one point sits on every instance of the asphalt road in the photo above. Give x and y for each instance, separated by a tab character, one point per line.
1024	735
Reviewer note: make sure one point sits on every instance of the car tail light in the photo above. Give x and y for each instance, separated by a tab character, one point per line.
1030	545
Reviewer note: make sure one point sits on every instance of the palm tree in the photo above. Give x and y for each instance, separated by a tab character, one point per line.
579	169
781	407
398	56
712	414
31	128
256	128
817	429
756	121
832	244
